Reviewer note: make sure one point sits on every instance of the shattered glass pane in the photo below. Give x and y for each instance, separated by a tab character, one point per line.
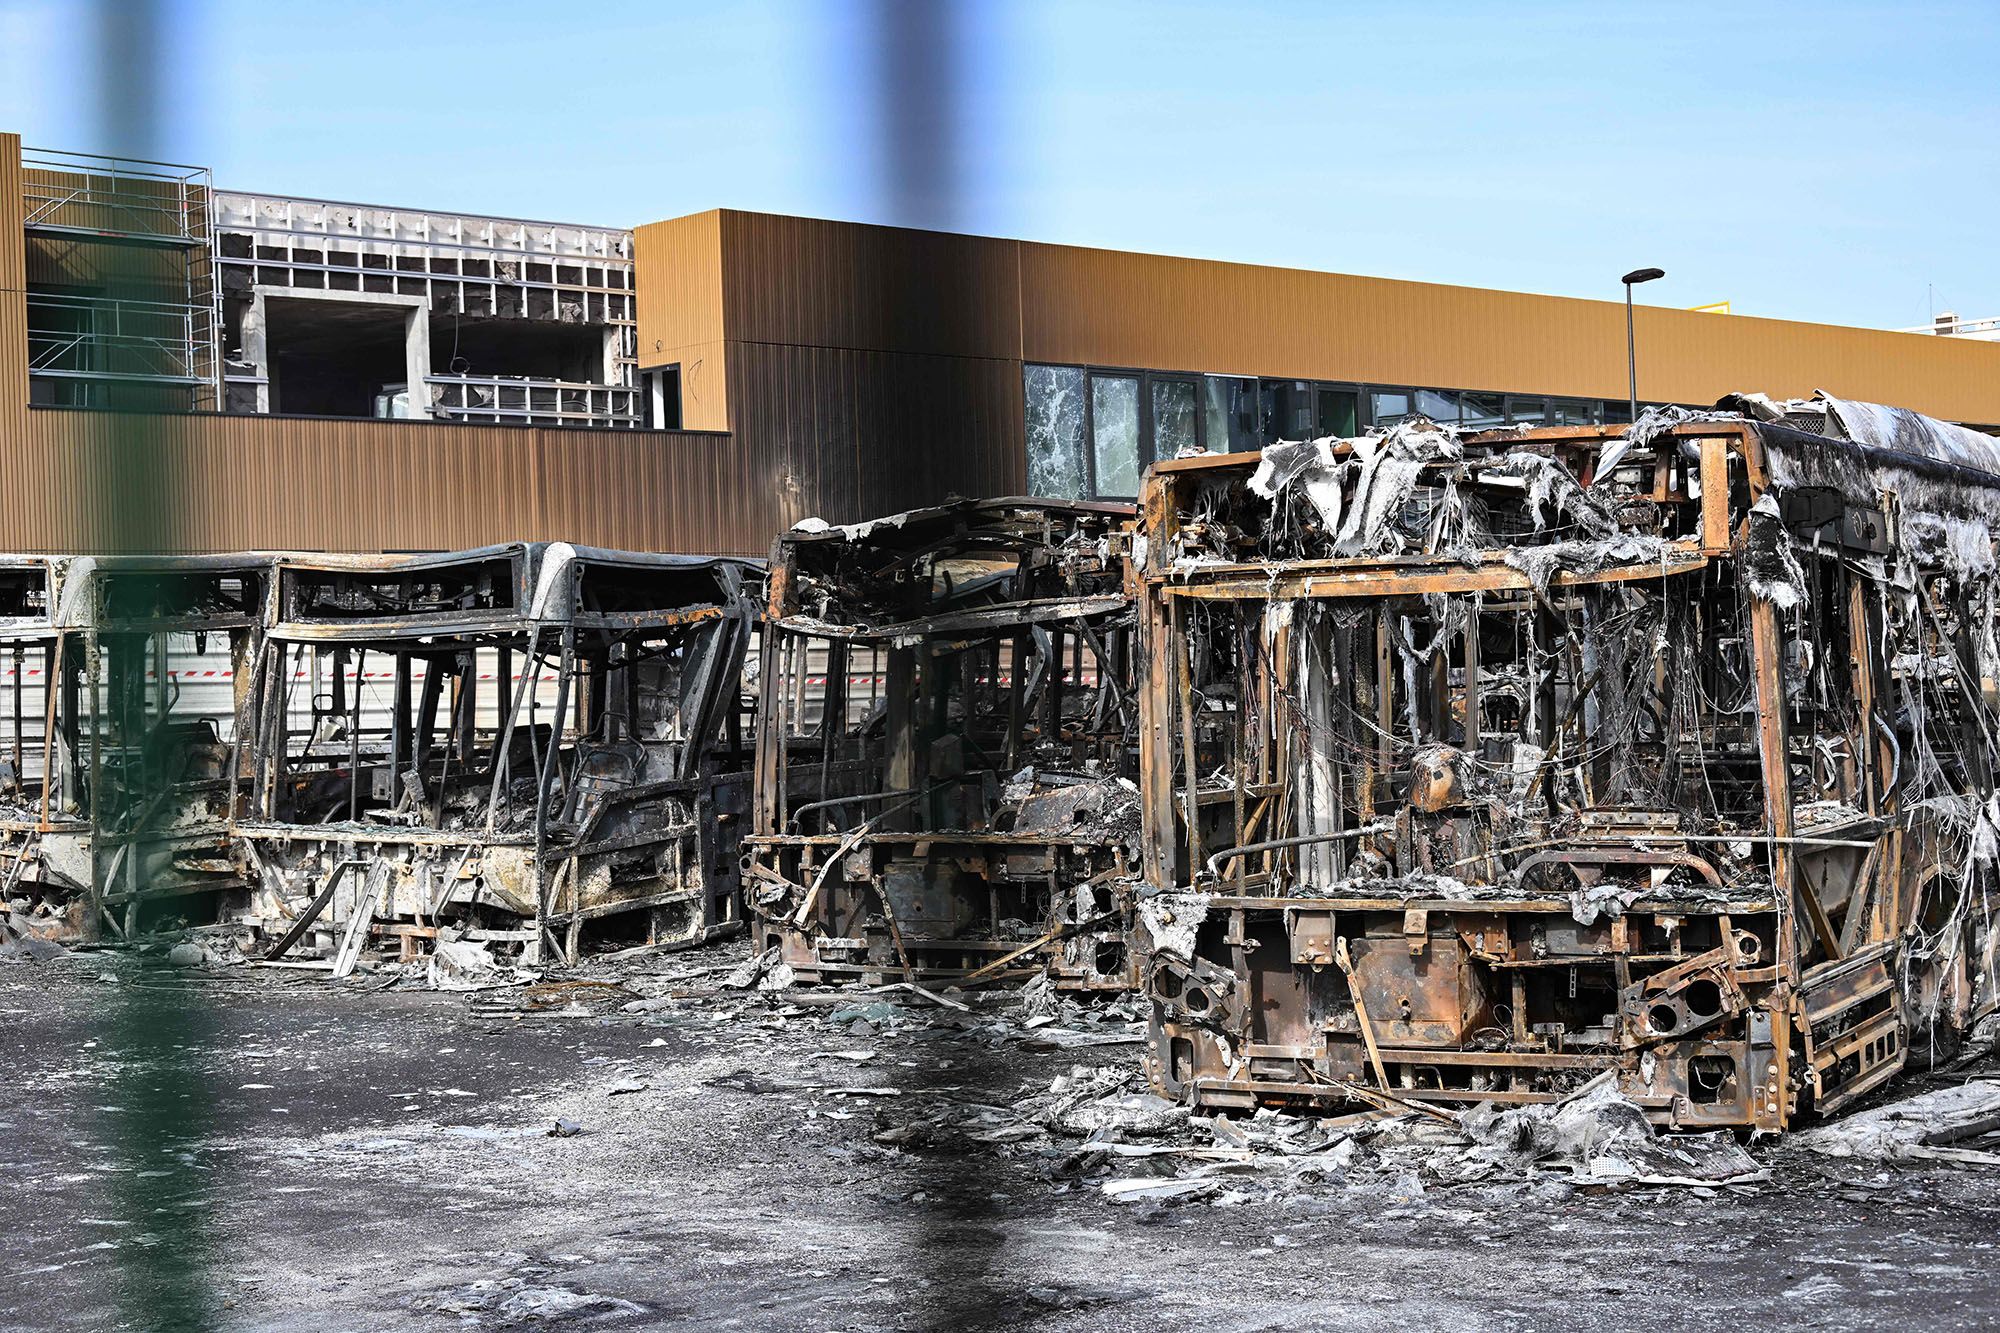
1173	419
1114	434
1055	432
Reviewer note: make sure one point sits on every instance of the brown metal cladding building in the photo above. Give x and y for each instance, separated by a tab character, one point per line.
844	371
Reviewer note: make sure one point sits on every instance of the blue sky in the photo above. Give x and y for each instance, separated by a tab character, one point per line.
1831	161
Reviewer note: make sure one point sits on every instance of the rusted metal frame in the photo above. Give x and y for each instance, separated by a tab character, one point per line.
895	929
247	692
1766	646
1345	962
906	753
1180	650
1160	518
1017	653
427	712
1619	856
1107	673
1471	692
1239	622
313	910
1050	639
768	784
1438	579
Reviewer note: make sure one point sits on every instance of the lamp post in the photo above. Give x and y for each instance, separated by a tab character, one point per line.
1631	280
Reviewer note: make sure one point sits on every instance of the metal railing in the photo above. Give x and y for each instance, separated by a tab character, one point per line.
523	400
115	197
95	337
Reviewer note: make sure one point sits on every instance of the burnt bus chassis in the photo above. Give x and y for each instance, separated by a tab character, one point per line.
859	865
555	818
126	821
1735	1004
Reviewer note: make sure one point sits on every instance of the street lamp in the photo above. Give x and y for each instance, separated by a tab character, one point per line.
1631	280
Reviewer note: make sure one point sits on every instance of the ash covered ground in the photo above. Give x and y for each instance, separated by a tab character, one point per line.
638	1146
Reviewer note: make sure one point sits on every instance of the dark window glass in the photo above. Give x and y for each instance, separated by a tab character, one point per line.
1337	413
1570	412
1114	435
1230	407
1174	429
1527	411
1055	432
1285	411
1617	413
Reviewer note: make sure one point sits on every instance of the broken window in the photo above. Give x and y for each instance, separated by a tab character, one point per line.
1176	425
1114	435
1233	417
1055	432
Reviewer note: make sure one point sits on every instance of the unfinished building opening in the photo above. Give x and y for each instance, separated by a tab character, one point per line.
494	347
338	358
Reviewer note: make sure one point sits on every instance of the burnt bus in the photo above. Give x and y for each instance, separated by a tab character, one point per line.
1476	766
945	738
121	680
534	747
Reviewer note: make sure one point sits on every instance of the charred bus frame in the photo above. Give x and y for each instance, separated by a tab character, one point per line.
1476	768
596	787
944	742
118	759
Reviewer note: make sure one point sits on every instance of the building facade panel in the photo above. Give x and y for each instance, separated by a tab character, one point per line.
845	434
280	483
806	282
1146	311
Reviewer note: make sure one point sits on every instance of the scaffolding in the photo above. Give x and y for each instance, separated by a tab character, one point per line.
93	336
464	267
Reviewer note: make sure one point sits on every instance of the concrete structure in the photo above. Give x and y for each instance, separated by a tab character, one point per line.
758	370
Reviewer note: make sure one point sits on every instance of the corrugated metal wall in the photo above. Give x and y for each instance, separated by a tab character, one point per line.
1102	307
263	483
846	435
804	282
